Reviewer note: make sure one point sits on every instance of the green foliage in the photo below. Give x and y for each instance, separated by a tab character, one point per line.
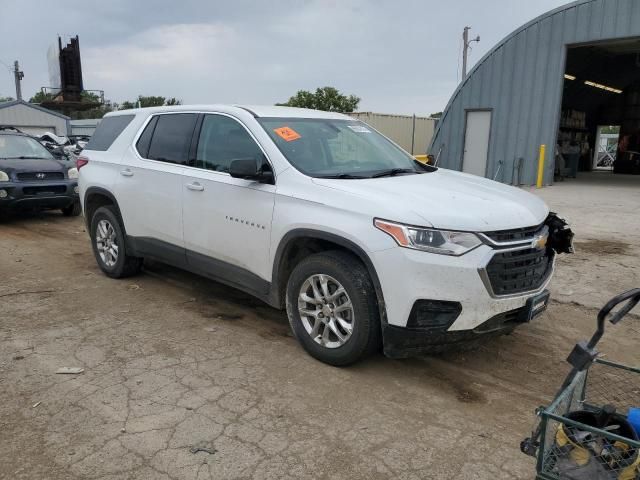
103	108
97	112
5	99
90	97
610	129
328	99
40	97
150	101
436	115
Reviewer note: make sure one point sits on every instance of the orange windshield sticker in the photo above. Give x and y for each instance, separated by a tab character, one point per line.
287	134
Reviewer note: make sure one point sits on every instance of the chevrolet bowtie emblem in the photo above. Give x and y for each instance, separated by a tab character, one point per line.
40	175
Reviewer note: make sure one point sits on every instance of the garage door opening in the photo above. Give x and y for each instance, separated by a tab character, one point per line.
599	128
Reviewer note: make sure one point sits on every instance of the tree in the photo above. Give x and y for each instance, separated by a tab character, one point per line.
436	115
610	129
40	97
98	111
5	99
328	99
150	101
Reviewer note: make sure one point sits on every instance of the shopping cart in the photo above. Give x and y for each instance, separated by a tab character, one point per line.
587	432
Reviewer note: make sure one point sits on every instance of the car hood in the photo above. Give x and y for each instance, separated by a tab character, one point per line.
446	199
31	165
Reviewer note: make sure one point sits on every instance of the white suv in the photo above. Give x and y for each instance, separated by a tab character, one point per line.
321	214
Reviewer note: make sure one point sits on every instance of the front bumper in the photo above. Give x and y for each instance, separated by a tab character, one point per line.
38	195
407	276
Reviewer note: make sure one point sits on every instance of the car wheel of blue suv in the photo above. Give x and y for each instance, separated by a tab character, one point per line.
73	210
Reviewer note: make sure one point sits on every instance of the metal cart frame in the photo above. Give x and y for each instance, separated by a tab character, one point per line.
592	383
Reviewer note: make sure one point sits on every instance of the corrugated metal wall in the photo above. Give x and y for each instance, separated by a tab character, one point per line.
32	120
399	129
520	81
84	126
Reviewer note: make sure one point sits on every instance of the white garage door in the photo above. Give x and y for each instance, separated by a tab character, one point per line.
36	131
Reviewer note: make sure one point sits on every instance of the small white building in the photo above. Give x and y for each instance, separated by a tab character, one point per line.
33	119
85	126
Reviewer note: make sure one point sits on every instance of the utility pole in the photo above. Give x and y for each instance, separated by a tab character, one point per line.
18	76
465	49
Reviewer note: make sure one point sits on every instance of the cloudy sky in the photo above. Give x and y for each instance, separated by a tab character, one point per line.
399	56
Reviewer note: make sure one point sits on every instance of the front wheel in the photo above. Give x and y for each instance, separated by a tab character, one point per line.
332	308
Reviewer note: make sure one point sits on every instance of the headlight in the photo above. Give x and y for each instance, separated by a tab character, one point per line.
73	172
3	176
443	242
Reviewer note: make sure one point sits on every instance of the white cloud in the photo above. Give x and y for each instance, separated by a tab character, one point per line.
399	56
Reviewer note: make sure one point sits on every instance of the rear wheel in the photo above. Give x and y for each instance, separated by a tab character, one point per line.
108	242
332	309
72	210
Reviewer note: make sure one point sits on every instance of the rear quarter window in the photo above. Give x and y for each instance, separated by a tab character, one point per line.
172	137
107	131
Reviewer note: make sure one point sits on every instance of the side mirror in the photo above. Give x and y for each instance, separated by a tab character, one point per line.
250	169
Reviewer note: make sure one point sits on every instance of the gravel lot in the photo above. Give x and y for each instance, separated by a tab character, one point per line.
172	361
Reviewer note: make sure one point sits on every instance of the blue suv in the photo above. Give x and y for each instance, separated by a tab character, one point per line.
31	178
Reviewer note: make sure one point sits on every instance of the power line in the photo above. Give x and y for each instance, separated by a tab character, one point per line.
8	67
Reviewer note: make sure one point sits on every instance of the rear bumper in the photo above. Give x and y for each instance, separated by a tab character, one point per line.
38	195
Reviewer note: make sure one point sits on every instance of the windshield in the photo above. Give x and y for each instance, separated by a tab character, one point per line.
19	146
329	148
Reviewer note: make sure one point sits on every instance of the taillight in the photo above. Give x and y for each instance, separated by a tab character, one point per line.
81	162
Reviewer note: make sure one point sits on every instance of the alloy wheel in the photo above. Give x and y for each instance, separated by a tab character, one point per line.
106	243
326	311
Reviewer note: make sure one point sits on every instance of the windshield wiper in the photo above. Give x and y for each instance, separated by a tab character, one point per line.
345	176
392	172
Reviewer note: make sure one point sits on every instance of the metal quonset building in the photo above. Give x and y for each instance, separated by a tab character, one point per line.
511	101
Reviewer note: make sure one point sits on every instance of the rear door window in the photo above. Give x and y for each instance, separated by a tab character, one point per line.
172	137
107	131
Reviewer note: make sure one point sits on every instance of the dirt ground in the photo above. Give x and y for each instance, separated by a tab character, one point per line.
604	212
172	361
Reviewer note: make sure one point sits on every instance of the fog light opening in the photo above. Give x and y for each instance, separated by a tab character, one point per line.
3	193
433	315
76	189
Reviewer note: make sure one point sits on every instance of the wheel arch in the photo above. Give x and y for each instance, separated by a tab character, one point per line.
96	197
296	243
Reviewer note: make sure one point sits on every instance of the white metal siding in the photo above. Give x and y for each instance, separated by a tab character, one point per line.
84	126
32	120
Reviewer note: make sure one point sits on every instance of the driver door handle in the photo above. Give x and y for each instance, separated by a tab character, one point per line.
195	186
126	172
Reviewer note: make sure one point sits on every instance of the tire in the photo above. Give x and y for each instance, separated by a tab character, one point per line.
72	210
106	231
336	269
